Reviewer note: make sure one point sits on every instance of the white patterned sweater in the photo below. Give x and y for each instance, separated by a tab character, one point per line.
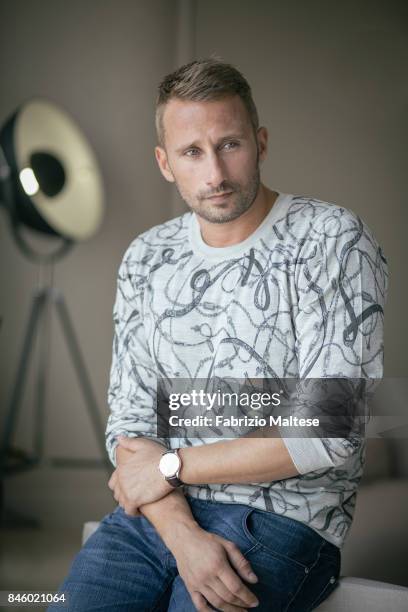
303	296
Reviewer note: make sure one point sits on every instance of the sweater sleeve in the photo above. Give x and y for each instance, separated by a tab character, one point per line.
132	384
342	283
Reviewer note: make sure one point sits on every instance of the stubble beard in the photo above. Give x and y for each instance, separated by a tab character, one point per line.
243	198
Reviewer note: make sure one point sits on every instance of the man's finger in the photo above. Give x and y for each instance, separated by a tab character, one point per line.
238	588
219	602
117	493
232	581
112	481
240	563
199	601
219	587
131	510
125	441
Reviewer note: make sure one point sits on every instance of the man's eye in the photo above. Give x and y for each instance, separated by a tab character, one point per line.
192	152
230	145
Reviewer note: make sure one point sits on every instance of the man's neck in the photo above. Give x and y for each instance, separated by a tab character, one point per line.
234	232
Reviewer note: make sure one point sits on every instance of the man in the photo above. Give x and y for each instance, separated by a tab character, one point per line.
248	283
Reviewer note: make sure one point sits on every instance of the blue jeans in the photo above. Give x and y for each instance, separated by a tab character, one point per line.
125	567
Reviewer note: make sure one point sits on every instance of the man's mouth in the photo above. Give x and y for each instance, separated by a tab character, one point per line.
220	196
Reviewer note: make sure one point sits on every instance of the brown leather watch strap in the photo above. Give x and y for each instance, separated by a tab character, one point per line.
175	481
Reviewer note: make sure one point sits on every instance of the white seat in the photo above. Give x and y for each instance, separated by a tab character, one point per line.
357	594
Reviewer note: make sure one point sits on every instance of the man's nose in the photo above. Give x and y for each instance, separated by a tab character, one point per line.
215	171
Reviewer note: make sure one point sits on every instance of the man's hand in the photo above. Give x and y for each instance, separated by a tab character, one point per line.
211	568
137	481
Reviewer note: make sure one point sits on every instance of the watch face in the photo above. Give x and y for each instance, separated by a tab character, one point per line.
169	464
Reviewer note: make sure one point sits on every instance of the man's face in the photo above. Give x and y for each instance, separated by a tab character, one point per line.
212	155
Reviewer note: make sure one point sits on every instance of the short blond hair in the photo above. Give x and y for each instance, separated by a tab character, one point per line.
200	81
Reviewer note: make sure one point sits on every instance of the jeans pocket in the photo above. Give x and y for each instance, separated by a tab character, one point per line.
228	522
282	538
252	544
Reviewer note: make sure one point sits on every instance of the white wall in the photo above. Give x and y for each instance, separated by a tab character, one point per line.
329	80
102	62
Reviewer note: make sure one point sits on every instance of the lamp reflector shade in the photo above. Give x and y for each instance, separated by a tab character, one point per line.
56	171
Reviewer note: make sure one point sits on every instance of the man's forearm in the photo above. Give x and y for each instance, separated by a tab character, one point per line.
170	514
244	460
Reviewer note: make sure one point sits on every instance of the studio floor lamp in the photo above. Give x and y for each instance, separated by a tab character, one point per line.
50	183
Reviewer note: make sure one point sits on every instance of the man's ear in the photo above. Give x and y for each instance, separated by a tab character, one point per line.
161	158
262	139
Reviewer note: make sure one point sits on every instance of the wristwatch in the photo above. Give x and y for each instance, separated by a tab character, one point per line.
170	466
